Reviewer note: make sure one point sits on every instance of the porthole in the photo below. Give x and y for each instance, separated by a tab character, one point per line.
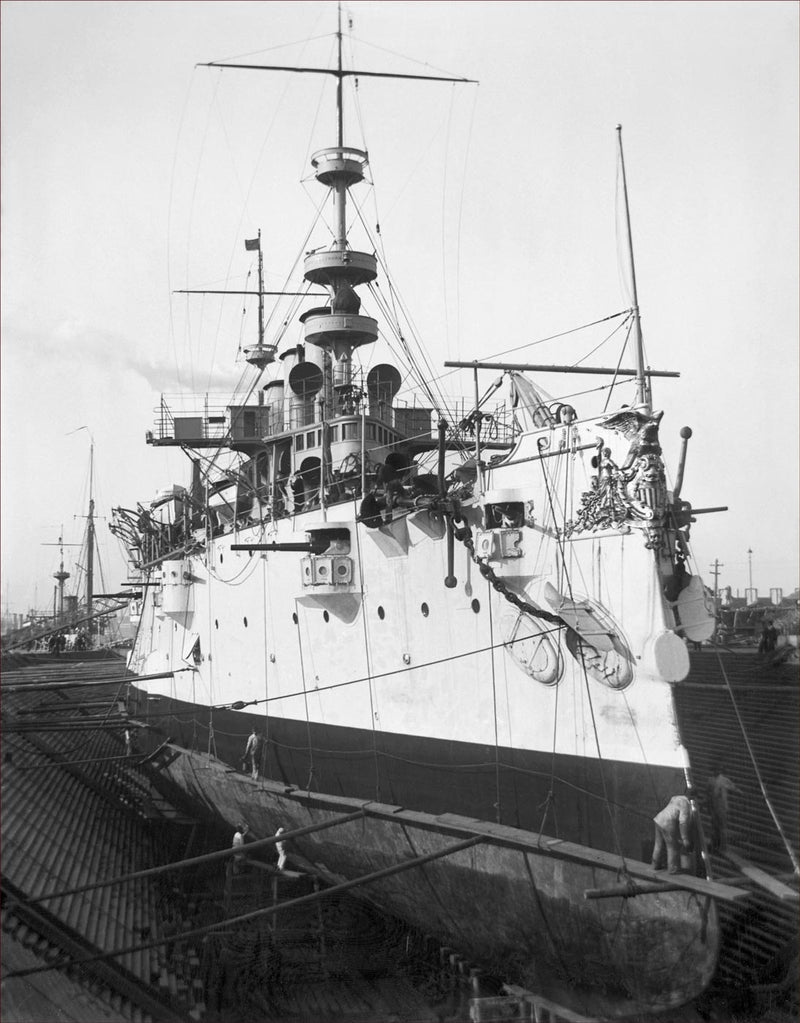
294	617
326	616
476	605
381	613
245	622
425	610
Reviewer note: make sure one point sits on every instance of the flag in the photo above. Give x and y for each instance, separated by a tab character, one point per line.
252	244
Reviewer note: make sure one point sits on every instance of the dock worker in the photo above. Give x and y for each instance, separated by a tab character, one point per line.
281	850
769	638
719	785
252	752
673	824
238	844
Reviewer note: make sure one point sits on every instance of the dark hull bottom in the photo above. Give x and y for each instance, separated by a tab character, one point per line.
606	805
513	902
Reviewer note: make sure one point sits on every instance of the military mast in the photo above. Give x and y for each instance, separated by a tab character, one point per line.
643	388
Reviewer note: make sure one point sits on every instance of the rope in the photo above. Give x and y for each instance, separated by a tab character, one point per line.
369	670
305	701
619	362
767	800
628	319
460	214
553	337
444	221
560	544
264	765
494	713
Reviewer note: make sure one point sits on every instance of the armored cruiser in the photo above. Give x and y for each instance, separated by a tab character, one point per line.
452	628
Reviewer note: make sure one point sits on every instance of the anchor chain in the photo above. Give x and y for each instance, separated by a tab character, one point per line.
463	533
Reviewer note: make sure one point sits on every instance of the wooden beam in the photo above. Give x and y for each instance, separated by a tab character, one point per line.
526	841
624	891
762	878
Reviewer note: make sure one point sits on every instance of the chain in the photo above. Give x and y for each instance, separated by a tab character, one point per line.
463	533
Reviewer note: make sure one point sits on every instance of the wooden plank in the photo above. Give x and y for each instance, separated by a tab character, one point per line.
762	878
568	850
495	1009
560	1012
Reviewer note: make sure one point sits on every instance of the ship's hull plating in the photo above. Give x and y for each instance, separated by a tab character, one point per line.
512	903
605	806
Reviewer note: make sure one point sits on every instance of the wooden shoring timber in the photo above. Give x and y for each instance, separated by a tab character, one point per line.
82	682
81	723
763	879
544	1009
513	838
73	944
195	861
630	891
520	1005
237	921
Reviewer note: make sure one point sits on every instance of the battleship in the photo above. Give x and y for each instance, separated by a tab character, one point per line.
435	640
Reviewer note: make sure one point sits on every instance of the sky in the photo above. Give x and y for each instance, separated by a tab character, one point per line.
127	172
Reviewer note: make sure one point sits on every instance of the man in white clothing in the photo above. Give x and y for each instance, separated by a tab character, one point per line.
673	830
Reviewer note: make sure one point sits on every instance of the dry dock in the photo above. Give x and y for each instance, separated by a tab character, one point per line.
80	807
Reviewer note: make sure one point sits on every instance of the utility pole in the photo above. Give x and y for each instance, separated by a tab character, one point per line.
715	572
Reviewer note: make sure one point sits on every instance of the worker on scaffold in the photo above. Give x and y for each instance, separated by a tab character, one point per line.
673	831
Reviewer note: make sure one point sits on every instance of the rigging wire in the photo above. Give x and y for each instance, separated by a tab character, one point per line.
590	702
387	674
606	339
403	56
553	337
310	747
322	90
170	208
356	98
192	204
368	657
279	46
460	219
497	809
784	838
619	363
624	285
54	765
444	220
267	674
